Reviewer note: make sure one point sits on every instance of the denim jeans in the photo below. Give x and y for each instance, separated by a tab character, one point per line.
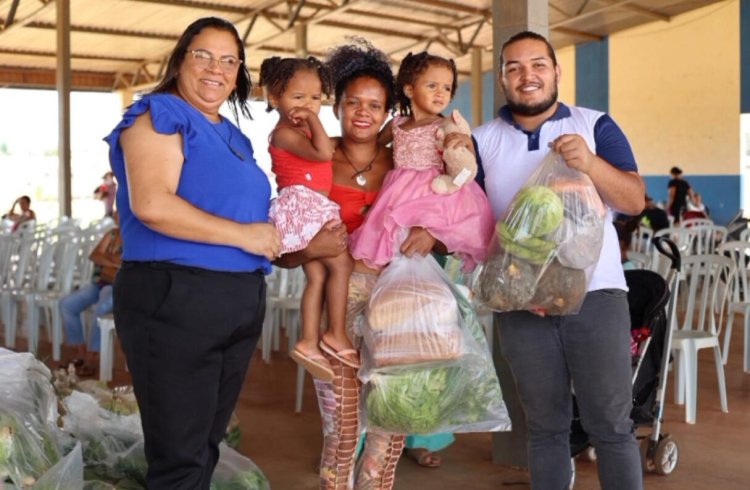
589	351
72	305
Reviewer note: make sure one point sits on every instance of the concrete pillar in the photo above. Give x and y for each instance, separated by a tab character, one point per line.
476	87
63	102
508	18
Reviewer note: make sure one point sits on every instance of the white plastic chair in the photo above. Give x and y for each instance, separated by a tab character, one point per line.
687	223
739	301
107	347
705	239
641	239
40	264
640	260
283	306
48	299
706	296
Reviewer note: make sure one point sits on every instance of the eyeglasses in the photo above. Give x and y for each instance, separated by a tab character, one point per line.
204	59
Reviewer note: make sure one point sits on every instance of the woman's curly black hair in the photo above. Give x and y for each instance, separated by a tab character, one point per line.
414	65
359	59
238	98
275	73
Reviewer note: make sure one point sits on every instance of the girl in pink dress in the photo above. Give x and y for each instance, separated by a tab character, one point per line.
463	220
301	155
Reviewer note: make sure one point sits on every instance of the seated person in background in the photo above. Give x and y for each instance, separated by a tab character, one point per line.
24	213
653	216
625	231
695	208
106	257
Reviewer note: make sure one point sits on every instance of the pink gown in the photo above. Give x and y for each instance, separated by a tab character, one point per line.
463	221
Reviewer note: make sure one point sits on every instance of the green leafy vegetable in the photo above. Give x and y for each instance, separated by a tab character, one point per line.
416	400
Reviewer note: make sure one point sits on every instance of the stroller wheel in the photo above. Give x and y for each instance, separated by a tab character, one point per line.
666	456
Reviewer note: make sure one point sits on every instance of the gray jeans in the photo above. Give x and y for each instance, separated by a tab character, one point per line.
591	351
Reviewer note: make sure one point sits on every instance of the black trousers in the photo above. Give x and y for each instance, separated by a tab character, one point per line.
188	335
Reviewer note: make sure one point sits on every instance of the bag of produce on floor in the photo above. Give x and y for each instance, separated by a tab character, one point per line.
29	439
426	393
67	474
545	248
236	472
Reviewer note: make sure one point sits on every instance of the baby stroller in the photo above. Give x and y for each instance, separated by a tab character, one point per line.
652	302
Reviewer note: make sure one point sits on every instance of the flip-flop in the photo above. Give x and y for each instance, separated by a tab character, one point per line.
315	364
423	457
339	355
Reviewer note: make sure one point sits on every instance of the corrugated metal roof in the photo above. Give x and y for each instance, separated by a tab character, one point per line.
121	43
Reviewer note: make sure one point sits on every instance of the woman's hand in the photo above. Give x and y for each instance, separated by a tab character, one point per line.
418	241
330	241
262	239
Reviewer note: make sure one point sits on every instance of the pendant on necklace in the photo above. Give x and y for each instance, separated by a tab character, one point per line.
361	180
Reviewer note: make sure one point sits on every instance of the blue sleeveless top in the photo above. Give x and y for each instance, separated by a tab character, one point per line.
213	178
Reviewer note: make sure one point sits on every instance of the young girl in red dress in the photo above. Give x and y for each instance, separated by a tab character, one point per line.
301	155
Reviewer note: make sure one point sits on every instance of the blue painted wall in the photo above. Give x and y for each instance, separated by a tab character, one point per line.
592	75
745	56
721	193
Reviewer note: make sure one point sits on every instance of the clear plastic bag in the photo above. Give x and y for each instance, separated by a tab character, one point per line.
426	394
112	444
67	474
544	250
412	316
29	439
237	472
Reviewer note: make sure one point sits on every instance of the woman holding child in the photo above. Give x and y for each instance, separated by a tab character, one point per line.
364	90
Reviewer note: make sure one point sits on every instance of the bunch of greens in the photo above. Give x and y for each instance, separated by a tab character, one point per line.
537	212
26	452
416	400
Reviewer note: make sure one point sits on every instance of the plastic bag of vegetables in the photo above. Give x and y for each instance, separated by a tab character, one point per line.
67	474
236	472
412	317
544	250
460	393
28	414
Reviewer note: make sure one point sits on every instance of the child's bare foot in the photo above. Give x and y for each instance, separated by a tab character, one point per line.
340	348
308	355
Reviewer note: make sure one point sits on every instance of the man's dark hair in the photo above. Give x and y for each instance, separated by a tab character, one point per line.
520	36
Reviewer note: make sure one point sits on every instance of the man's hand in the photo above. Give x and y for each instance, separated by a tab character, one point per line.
418	241
575	151
457	140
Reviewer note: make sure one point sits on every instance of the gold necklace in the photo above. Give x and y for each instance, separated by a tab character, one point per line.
359	175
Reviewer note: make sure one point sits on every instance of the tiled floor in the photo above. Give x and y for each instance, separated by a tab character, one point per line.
715	452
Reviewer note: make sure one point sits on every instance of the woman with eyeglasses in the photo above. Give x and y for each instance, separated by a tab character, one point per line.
189	298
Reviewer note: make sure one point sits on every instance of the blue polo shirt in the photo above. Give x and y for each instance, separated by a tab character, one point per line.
219	175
